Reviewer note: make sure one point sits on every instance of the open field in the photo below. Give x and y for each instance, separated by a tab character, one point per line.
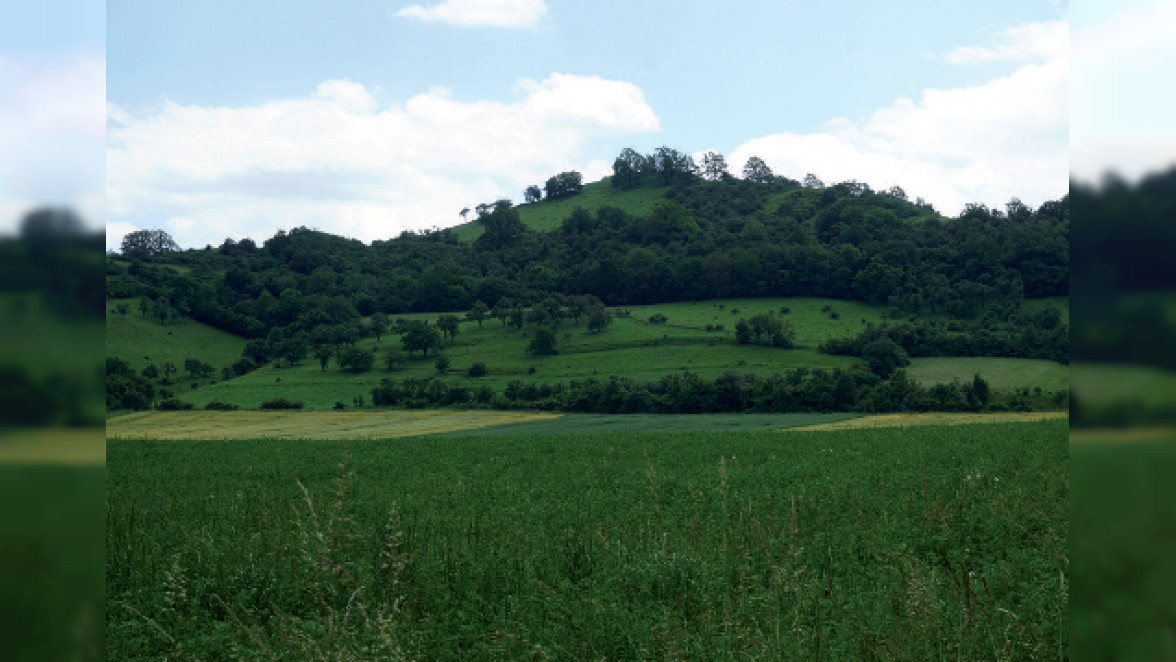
917	543
1002	375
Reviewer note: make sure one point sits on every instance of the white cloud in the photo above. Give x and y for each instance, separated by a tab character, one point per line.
1021	43
335	161
51	136
1121	107
496	13
986	143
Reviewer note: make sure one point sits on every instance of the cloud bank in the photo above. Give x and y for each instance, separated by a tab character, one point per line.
51	136
1121	119
985	143
469	13
336	161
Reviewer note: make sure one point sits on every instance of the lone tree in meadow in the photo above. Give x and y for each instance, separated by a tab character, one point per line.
449	325
378	325
355	359
323	353
533	194
884	356
598	319
478	312
544	342
418	335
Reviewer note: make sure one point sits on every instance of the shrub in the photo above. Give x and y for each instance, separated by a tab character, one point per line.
281	403
173	404
477	370
217	405
441	364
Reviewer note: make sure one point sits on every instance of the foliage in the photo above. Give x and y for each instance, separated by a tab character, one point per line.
563	185
147	243
355	359
544	342
884	356
281	403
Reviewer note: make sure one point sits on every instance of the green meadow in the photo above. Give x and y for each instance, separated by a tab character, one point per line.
548	215
917	543
142	341
633	346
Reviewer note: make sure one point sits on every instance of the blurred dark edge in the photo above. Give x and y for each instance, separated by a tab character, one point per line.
1123	418
52	474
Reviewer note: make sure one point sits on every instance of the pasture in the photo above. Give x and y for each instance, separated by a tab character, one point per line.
142	341
917	543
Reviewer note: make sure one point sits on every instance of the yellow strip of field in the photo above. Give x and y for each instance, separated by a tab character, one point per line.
910	420
182	425
52	446
1119	435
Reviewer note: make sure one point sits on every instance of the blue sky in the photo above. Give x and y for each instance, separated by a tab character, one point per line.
230	119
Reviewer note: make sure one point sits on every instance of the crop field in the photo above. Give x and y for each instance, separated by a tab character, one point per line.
919	543
388	424
934	418
51	544
1124	528
306	425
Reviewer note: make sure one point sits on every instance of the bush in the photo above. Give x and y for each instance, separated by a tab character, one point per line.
217	405
354	359
281	403
477	370
441	364
174	404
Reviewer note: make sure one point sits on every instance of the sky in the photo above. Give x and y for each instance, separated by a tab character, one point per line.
227	119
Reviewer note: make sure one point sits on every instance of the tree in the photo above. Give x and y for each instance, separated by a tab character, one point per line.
355	359
378	325
533	194
169	369
672	165
441	364
502	310
543	344
742	332
598	319
884	356
392	358
144	306
627	169
563	185
503	227
714	166
123	309
756	170
418	335
196	367
449	325
323	353
145	243
812	181
151	372
465	211
978	392
478	312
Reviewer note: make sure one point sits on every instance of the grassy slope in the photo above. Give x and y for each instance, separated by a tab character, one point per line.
43	343
547	215
142	341
631	347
